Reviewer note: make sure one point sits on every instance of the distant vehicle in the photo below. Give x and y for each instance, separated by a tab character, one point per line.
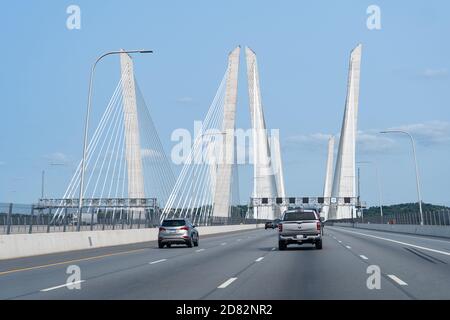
272	224
268	225
300	226
178	231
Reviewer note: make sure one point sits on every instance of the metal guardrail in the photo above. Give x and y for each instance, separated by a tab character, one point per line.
98	203
432	218
38	218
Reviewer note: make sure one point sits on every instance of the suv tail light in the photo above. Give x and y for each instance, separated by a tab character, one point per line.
318	226
162	229
184	228
280	227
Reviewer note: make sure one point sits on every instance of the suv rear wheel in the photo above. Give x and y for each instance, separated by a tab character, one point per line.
196	242
190	243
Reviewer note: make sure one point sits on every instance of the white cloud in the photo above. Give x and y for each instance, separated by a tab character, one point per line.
309	140
431	133
57	158
369	142
435	73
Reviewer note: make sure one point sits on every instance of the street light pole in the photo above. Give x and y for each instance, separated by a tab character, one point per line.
413	143
43	178
42	184
380	201
379	191
86	126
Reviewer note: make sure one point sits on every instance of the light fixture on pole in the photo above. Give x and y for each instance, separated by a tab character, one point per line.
86	126
413	143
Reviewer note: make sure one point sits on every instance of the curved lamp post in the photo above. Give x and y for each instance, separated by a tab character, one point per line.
413	143
86	126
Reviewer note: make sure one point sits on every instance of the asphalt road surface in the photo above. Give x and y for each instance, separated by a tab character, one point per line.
242	266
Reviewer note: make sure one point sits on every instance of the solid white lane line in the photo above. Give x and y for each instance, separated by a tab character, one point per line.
158	261
259	259
396	279
200	250
348	247
340	241
239	240
411	236
223	244
399	242
364	257
63	285
227	283
273	249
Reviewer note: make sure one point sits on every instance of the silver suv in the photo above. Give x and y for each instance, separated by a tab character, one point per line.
177	231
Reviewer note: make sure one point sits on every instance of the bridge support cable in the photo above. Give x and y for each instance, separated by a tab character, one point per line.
157	168
111	159
105	120
192	195
71	190
200	169
186	168
197	141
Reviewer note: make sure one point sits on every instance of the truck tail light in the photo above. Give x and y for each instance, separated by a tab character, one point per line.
318	226
280	227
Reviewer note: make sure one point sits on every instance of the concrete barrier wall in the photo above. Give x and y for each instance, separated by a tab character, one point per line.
24	245
435	231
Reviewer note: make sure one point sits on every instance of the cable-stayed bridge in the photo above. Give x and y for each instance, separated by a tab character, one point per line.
126	161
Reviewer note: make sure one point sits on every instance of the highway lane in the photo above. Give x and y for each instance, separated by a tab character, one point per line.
245	265
423	263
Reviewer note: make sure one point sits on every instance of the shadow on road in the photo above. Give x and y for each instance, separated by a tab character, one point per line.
301	248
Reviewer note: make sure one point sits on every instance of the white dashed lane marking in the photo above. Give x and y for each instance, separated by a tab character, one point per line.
158	261
398	280
63	286
227	283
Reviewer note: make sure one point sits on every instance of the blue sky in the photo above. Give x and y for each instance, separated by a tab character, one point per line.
303	50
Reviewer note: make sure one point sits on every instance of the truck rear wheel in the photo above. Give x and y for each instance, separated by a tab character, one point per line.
282	245
319	245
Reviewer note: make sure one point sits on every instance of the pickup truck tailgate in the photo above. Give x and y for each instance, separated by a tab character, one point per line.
299	227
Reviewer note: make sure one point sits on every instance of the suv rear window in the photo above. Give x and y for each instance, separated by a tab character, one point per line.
173	223
299	216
